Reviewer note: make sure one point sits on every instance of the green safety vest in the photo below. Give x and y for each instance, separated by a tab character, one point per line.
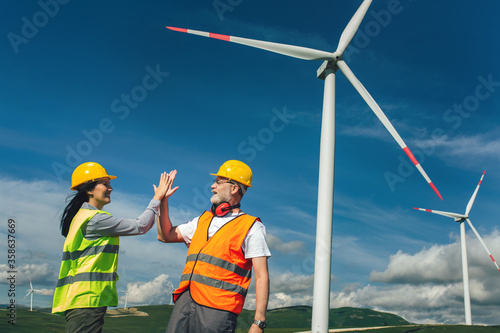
88	274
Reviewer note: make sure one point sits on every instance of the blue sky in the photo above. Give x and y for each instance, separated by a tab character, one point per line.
108	83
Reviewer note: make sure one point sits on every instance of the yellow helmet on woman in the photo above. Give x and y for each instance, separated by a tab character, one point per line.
87	172
235	170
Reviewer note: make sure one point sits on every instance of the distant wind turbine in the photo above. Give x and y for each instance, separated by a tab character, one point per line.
461	218
31	292
170	290
126	298
332	62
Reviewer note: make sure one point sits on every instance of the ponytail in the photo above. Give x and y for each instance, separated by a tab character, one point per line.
74	206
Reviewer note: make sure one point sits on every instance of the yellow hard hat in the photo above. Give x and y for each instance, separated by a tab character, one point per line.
235	170
87	172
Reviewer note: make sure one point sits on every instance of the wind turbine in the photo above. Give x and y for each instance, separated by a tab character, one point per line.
461	218
126	297
332	62
32	291
170	290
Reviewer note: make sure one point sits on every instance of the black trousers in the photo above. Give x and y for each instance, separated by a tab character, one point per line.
87	320
190	317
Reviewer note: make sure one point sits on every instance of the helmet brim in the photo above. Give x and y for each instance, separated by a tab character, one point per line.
225	176
74	188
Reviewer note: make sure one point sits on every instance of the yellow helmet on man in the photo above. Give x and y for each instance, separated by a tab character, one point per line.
87	172
237	171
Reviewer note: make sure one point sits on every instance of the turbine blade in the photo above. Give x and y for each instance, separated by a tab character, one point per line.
482	243
29	292
31	286
285	49
382	117
447	214
352	27
471	201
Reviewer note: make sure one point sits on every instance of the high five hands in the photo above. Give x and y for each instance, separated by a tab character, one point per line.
164	189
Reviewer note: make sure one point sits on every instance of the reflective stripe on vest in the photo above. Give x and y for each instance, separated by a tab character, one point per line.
90	251
88	273
216	271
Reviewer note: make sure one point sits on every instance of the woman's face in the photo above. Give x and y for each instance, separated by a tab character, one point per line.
101	194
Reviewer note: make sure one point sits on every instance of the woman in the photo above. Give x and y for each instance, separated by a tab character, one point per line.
88	275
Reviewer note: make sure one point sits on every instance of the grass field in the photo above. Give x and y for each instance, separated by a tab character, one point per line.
284	320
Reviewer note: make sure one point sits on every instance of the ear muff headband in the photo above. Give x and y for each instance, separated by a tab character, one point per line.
222	209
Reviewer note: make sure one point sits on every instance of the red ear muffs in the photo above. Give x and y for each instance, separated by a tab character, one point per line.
222	209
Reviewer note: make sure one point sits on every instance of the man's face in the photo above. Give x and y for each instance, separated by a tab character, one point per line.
221	191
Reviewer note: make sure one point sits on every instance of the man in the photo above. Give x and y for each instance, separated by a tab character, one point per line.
224	244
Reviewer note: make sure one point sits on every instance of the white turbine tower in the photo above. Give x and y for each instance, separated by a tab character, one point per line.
332	62
31	292
461	218
170	290
126	297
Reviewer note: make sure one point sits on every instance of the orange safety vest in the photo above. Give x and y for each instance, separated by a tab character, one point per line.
216	271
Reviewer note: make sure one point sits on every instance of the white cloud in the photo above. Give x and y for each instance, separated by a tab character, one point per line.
157	291
36	206
441	263
290	283
276	243
23	273
423	287
427	286
286	289
465	149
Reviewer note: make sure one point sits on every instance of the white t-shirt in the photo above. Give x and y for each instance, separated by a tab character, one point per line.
254	244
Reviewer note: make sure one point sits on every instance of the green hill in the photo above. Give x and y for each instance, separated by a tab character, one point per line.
152	319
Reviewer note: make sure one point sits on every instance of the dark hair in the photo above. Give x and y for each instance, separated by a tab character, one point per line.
74	205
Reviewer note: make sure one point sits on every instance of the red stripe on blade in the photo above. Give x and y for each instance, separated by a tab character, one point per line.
429	210
436	190
410	155
177	29
217	36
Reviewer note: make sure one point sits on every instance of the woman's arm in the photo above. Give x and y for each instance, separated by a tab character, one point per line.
106	225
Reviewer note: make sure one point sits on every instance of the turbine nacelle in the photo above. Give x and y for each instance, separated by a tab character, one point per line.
337	55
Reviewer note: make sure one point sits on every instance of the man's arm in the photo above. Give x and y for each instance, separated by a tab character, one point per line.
261	291
166	233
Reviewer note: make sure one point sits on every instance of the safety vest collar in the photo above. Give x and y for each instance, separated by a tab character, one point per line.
222	228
